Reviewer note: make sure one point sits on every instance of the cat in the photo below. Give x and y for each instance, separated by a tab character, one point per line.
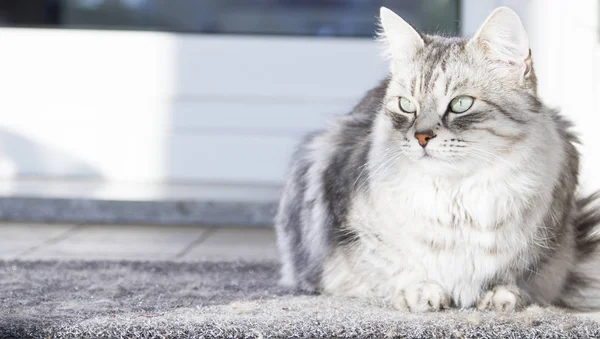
450	184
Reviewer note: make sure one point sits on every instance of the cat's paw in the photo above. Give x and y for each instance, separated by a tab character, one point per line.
423	297
502	298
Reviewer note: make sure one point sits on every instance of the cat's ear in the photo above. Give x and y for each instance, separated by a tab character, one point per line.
503	36
399	39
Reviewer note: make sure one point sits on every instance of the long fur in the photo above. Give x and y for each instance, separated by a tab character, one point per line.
486	215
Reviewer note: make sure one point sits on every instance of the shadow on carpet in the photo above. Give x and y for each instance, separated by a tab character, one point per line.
97	299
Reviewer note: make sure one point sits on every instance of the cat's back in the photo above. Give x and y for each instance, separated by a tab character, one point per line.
323	176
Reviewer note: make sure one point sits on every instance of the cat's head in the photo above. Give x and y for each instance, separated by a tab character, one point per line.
455	103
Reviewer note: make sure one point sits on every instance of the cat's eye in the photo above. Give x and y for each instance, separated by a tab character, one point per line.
461	104
406	105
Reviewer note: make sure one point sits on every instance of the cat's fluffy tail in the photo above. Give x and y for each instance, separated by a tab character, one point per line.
582	289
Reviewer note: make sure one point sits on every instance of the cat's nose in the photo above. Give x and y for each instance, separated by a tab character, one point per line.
424	137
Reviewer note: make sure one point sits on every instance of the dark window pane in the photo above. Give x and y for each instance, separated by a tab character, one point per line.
288	17
30	13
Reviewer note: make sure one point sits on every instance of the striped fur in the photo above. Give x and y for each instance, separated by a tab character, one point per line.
486	215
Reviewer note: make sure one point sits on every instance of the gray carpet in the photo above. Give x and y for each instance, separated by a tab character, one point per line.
198	300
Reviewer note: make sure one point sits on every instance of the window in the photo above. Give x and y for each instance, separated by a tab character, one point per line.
349	18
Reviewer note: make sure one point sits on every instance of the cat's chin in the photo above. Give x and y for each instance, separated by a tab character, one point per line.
441	166
431	158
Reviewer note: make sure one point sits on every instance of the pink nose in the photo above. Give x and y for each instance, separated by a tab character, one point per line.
424	137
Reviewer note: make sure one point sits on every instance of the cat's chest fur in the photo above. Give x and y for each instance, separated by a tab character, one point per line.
459	235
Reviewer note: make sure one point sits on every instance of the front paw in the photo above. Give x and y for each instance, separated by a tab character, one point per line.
502	298
422	297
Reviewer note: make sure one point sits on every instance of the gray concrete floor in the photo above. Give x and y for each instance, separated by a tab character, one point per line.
134	242
140	242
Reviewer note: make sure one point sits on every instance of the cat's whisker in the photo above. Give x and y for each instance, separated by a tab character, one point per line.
366	165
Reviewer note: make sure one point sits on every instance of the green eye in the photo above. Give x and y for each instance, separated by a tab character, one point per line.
407	106
461	104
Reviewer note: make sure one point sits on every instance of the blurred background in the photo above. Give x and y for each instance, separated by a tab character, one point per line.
186	111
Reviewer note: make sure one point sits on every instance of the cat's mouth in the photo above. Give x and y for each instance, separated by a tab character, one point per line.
430	156
427	156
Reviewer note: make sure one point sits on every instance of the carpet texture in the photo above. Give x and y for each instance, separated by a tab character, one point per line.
233	300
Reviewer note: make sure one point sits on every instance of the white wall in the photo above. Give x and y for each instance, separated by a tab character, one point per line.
155	107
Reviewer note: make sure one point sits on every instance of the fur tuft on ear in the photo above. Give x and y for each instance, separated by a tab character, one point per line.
503	36
398	38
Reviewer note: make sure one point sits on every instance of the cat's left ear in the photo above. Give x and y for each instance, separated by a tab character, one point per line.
503	37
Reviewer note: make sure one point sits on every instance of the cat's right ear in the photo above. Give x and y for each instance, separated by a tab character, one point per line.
400	41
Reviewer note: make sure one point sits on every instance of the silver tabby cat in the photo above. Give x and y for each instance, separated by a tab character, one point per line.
448	185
